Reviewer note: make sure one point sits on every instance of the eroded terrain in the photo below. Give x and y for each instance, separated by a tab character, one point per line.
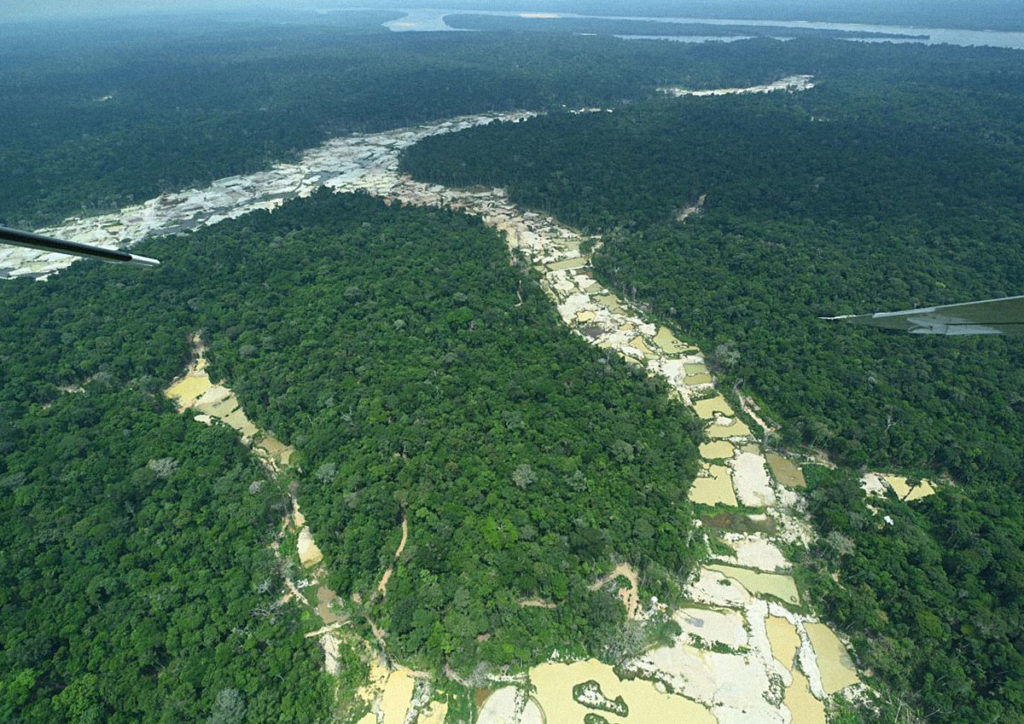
750	650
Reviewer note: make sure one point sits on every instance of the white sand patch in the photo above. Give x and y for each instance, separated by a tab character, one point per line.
510	705
755	551
710	625
751	481
329	642
791	84
714	588
873	484
734	686
309	553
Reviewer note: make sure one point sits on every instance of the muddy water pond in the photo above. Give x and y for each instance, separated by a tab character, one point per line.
837	670
801	702
785	471
733	522
726	427
554	684
718	450
780	586
784	640
574	263
707	408
668	342
713	488
905	492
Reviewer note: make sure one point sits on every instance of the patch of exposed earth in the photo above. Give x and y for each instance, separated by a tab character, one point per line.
790	84
731	672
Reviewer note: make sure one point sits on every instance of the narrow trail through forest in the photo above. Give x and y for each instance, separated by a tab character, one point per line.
382	586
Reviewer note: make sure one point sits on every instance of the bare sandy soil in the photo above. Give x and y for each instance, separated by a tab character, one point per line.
382	585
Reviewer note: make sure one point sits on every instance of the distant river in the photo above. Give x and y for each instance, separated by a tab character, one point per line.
433	20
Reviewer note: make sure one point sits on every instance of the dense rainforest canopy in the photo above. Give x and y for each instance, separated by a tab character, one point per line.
136	577
389	345
110	115
898	181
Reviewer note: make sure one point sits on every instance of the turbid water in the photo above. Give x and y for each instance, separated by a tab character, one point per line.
780	586
785	471
713	487
837	670
707	408
554	683
784	639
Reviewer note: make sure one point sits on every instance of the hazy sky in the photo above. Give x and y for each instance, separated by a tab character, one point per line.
10	9
939	13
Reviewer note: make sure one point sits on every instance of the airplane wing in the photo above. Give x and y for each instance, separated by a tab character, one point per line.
48	243
990	316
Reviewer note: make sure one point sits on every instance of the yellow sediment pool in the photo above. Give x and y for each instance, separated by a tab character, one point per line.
801	702
433	714
713	488
778	585
903	491
834	662
188	389
325	597
785	471
277	449
609	302
392	690
724	427
638	343
717	450
668	342
575	263
784	640
554	684
196	391
706	409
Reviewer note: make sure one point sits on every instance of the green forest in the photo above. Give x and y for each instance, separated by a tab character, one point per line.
896	182
423	377
388	344
112	115
137	578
